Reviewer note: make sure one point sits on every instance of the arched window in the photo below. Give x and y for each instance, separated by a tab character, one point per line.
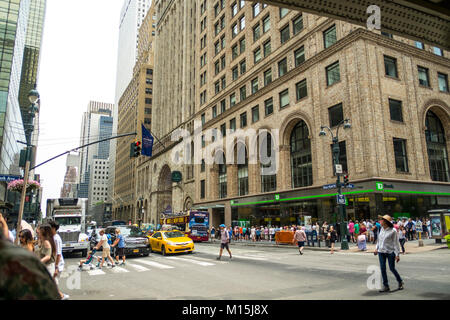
268	175
437	148
222	176
242	162
301	159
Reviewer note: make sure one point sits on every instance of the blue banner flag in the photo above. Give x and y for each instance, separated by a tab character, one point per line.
147	142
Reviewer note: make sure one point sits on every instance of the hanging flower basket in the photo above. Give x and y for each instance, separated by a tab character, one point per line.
17	185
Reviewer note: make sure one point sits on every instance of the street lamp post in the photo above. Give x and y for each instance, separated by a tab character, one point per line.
336	154
33	96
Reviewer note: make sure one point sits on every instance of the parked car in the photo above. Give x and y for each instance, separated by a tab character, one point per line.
136	242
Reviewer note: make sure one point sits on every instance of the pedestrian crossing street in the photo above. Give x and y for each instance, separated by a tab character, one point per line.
158	262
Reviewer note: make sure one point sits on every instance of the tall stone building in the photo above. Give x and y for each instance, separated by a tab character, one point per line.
135	109
259	67
132	17
69	189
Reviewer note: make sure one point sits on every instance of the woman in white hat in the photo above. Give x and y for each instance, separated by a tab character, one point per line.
388	248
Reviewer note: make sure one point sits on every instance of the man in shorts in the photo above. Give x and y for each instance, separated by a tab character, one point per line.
106	249
59	264
120	243
300	238
225	239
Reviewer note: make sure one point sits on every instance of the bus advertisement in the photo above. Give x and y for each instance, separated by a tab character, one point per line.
194	223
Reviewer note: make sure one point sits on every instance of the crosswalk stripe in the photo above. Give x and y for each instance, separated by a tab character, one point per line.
155	264
119	270
138	267
95	272
250	258
201	263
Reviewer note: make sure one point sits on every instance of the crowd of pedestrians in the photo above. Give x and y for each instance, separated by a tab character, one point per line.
31	270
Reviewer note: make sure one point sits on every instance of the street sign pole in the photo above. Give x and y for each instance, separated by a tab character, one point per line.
343	224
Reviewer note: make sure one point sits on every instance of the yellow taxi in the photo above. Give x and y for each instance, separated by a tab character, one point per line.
168	242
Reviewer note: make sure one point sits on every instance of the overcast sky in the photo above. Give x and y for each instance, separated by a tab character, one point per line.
78	64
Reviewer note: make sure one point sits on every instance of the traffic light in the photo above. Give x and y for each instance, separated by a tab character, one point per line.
135	149
346	182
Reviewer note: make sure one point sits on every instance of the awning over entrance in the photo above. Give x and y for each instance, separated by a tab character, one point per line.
423	20
206	207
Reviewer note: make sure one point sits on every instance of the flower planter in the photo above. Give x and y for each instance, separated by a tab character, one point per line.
17	185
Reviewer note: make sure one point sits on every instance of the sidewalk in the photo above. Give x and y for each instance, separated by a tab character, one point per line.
411	247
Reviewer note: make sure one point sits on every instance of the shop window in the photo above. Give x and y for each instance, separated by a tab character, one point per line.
401	158
268	173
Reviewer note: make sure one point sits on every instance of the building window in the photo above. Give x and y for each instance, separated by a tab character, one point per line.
256	9
437	148
390	66
150	71
216	67
234	52
268	106
284	34
232	99
242	45
268	175
266	24
243	66
336	115
254	85
256	32
333	73
395	108
241	23
233	125
222	178
149	81
202	189
214	112
267	77
267	48
437	51
217	87
222	62
443	82
147	121
386	34
203	166
234	9
148	110
223	130
301	158
222	106
419	45
203	119
284	98
243	93
298	24
283	12
242	171
244	120
329	36
234	73
301	89
255	114
282	67
148	91
234	30
148	101
203	141
401	159
423	76
299	56
223	82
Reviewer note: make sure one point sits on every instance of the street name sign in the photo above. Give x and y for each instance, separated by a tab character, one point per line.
9	178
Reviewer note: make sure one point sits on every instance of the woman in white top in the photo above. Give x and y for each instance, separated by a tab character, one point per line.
253	234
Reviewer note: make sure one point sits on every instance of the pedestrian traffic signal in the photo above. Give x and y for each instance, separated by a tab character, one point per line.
346	182
135	149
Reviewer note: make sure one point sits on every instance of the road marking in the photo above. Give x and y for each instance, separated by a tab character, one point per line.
201	263
250	258
119	270
95	272
155	264
138	267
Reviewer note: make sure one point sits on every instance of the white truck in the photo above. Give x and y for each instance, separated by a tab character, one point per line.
70	214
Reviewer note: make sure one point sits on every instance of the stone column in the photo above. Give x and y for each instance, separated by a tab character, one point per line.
212	183
254	178
284	180
228	213
232	181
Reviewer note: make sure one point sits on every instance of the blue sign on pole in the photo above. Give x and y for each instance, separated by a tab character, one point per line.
350	186
340	199
8	178
329	186
147	142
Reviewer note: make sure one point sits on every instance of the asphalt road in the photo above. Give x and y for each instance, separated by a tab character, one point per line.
258	274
